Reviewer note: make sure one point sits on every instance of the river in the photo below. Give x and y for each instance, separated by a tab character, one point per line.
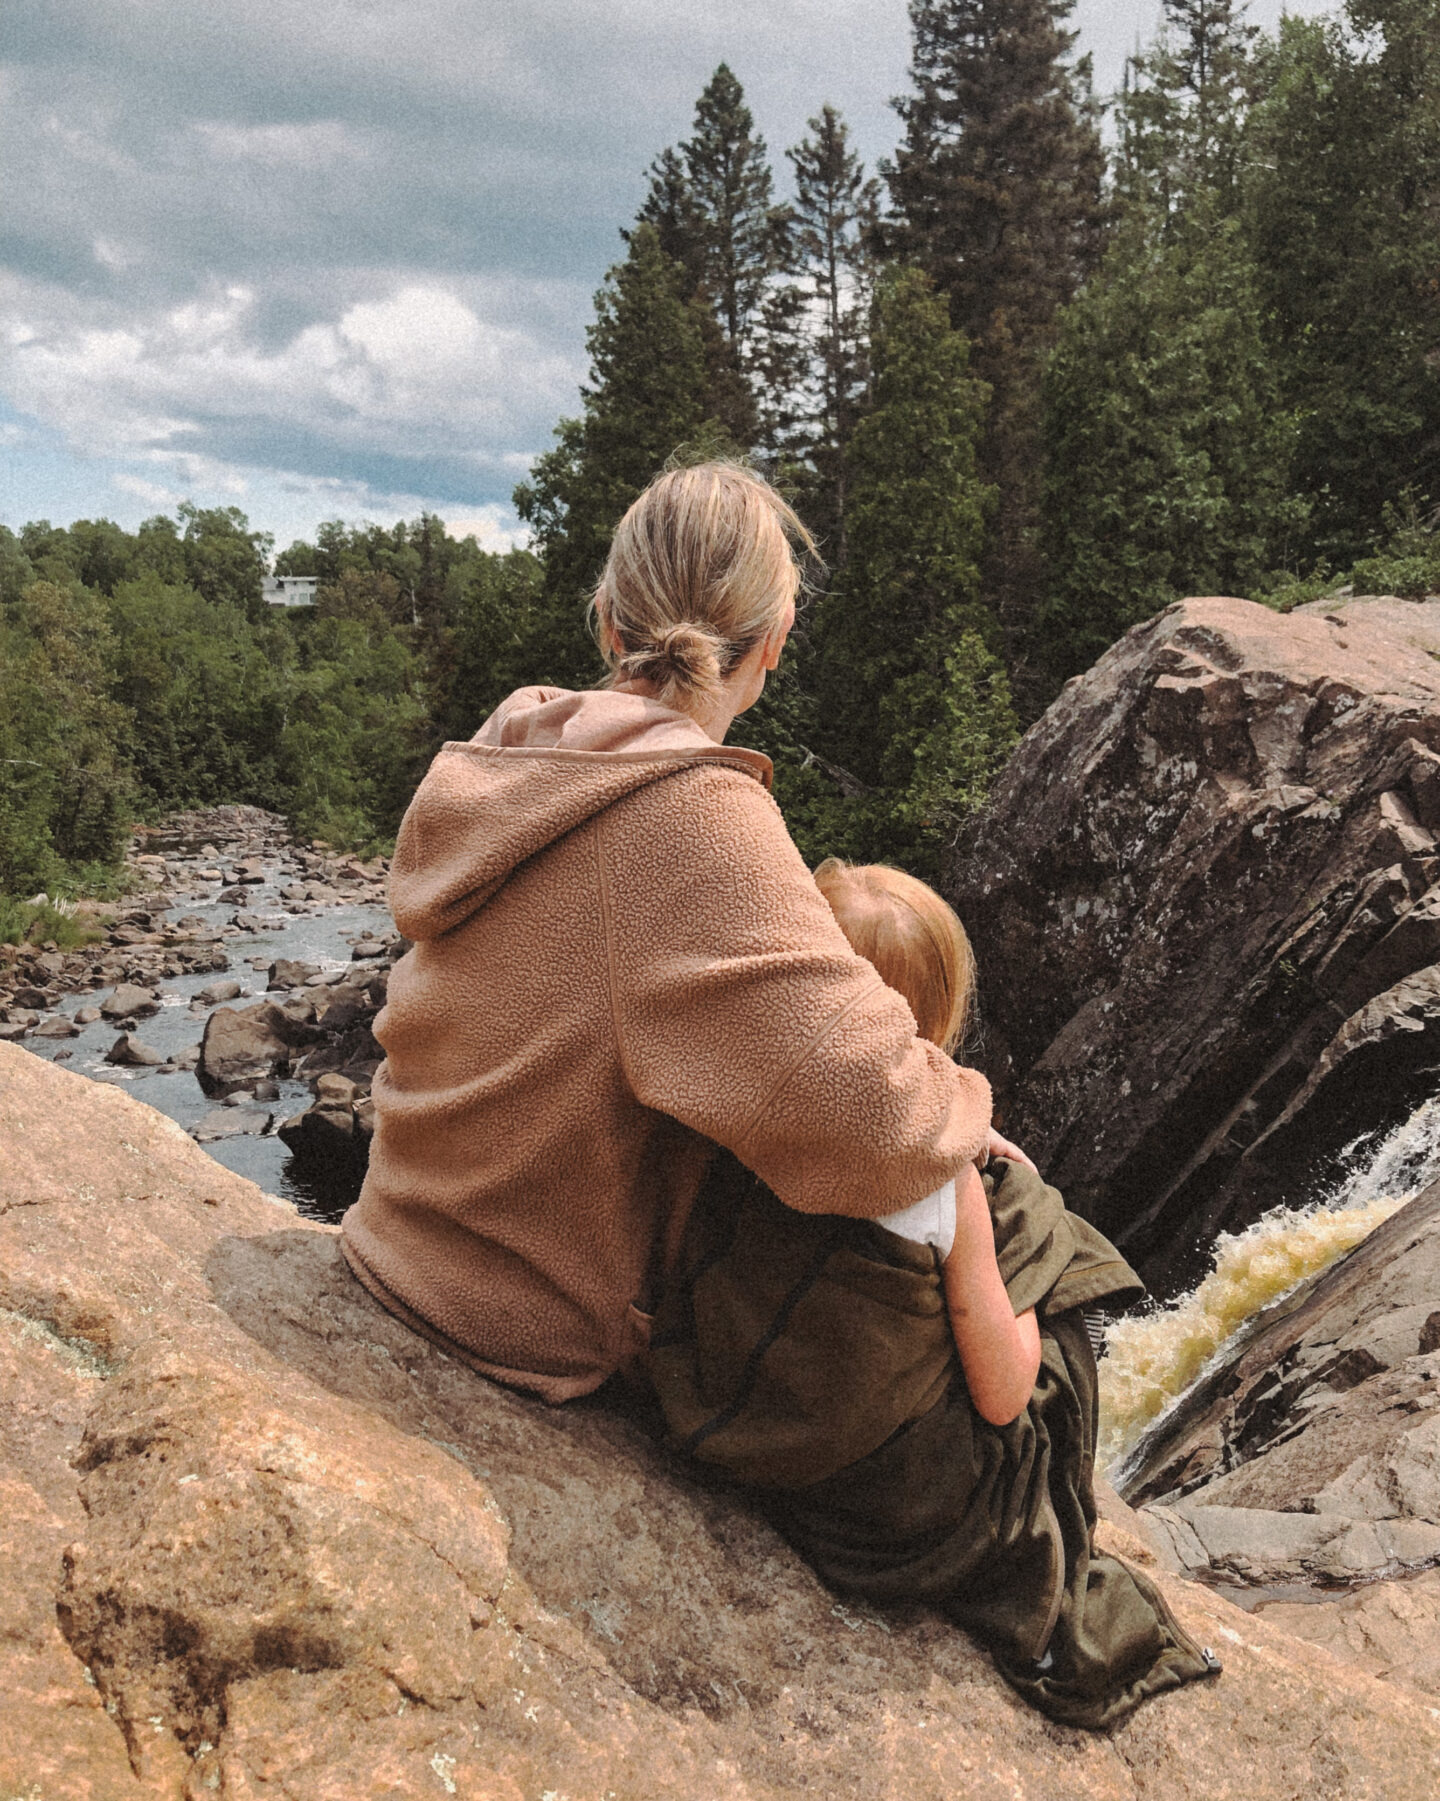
324	938
1153	1357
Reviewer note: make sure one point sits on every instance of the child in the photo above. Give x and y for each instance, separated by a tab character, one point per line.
913	1399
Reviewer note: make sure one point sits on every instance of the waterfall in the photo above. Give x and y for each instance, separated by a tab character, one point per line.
1150	1359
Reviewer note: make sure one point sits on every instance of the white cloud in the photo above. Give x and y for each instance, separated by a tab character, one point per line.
309	146
417	370
258	248
150	492
493	528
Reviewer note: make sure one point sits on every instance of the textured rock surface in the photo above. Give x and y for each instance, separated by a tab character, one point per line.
1203	907
1311	1450
1329	1402
242	1045
261	1540
1389	1629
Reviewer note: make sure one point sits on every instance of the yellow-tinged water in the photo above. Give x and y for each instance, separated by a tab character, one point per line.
1149	1360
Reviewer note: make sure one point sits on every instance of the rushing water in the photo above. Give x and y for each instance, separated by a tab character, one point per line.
323	939
1151	1359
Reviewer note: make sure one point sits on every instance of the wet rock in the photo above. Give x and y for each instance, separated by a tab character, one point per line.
231	1122
131	1052
57	1027
1205	901
129	1001
243	1044
287	972
216	992
1310	1449
317	1554
257	922
86	1016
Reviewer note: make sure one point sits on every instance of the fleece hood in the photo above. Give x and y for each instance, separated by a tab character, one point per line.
544	762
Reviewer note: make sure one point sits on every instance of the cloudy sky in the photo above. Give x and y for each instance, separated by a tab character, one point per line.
334	258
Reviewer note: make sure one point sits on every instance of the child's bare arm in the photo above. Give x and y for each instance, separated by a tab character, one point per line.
999	1353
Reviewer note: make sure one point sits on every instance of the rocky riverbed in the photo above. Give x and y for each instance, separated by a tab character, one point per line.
233	990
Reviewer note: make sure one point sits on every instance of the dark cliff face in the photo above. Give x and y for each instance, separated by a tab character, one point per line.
1203	910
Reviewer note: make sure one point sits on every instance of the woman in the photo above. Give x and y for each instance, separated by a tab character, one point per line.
620	962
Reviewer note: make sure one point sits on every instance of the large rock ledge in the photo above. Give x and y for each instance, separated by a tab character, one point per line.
1205	901
260	1540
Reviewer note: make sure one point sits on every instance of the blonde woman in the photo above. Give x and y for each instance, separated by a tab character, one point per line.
620	962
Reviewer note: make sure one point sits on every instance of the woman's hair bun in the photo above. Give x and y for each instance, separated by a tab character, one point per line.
683	658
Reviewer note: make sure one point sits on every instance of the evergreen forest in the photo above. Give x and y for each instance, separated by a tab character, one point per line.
1057	362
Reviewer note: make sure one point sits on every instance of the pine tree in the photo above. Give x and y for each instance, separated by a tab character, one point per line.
1167	443
1342	207
914	703
1182	114
1167	448
834	218
647	395
711	202
997	192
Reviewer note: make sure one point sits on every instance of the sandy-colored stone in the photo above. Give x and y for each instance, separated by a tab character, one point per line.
285	1559
1389	1629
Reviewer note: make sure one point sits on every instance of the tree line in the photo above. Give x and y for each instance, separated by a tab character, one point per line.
1027	383
142	672
1028	388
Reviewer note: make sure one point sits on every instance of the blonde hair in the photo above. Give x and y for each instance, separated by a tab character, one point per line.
701	568
914	939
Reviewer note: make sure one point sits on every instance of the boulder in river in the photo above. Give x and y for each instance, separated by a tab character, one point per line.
290	972
57	1026
129	1001
261	1536
1205	903
132	1053
243	1044
216	992
231	1122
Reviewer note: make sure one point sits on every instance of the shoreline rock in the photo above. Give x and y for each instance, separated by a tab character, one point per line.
259	1533
1205	900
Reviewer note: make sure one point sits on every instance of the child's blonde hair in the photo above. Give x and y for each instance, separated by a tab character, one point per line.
914	939
701	567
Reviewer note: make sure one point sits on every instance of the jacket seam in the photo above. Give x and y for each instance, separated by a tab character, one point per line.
800	1060
607	926
752	763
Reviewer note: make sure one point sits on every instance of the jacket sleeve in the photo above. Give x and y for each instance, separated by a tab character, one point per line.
741	1010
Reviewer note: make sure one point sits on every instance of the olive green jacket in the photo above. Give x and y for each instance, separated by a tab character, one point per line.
813	1358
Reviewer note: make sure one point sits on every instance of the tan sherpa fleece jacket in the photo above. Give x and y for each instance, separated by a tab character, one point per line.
619	957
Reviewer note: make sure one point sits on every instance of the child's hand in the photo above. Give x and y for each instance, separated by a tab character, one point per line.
1002	1147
